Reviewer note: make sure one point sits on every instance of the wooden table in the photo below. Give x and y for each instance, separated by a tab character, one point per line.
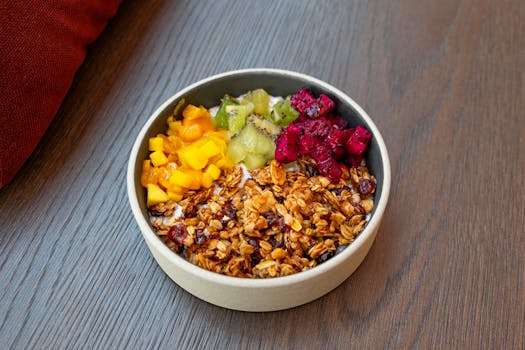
443	80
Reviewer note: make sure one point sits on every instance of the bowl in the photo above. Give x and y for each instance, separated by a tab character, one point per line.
268	294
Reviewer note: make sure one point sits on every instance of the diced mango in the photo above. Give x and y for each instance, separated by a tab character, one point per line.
207	180
147	175
191	132
155	143
213	171
158	158
175	196
189	156
225	162
181	179
170	144
155	195
191	112
210	149
175	126
196	176
192	157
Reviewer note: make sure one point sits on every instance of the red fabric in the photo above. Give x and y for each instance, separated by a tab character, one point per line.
42	44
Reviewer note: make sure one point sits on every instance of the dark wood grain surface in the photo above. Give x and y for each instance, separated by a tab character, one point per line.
444	82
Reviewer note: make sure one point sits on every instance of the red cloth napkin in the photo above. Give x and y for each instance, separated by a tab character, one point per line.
42	44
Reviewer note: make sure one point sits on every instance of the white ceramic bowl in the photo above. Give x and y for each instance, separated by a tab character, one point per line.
272	293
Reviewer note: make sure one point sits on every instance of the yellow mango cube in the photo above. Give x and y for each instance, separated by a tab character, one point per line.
210	149
196	176
225	162
156	195
175	196
213	171
156	143
207	180
182	179
192	157
174	126
158	158
191	112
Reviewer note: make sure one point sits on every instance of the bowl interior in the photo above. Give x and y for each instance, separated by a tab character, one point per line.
277	83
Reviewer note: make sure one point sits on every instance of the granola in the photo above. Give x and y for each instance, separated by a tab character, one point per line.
274	223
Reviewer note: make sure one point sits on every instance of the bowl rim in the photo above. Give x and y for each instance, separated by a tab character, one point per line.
225	280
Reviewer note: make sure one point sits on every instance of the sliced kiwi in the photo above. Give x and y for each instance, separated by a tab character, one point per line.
283	113
255	160
251	146
237	115
237	150
260	100
221	118
264	125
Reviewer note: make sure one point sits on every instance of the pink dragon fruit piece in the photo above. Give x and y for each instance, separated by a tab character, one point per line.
330	168
302	100
336	121
358	140
326	164
317	127
355	161
287	144
313	111
307	144
336	140
325	104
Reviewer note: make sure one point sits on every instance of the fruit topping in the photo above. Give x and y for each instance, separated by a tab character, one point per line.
287	144
302	100
319	134
251	146
283	113
358	140
260	100
221	118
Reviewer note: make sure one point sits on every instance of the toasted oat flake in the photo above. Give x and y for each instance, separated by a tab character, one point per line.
268	222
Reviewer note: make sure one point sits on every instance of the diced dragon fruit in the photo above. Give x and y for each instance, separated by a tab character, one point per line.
287	144
336	140
320	134
329	167
355	161
306	104
307	144
358	140
336	121
302	100
325	104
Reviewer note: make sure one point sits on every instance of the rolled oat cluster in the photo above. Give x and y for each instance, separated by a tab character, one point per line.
270	223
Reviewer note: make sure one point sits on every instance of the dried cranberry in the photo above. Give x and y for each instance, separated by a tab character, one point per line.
256	255
359	208
275	243
366	187
325	257
156	213
201	236
177	234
